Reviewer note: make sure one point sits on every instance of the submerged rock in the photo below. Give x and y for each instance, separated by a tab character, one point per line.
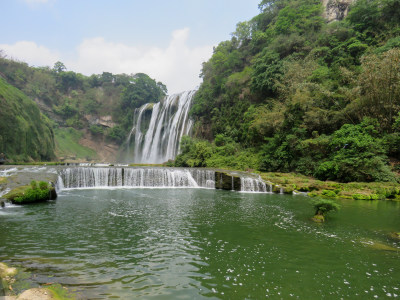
318	219
6	271
36	294
378	245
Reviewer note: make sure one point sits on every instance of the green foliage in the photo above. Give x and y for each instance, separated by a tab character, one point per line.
268	69
96	129
324	206
357	155
24	132
223	153
142	90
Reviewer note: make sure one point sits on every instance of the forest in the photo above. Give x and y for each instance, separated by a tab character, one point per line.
292	93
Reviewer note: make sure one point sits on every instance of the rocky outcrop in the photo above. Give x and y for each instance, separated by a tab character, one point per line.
105	121
336	10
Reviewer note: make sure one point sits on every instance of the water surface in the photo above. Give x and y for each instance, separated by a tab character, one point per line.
198	243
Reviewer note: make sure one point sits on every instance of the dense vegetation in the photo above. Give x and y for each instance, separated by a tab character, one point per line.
290	92
25	133
75	103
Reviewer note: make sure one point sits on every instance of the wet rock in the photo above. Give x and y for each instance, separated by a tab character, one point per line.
5	271
318	219
226	181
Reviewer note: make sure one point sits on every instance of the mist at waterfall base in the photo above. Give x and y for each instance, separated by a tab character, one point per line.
158	128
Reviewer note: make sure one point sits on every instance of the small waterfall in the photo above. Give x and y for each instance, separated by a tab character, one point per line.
249	184
157	140
92	177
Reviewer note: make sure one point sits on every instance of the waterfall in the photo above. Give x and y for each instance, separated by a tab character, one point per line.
249	184
128	177
89	177
157	137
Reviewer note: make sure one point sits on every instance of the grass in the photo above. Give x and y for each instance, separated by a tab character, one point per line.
67	145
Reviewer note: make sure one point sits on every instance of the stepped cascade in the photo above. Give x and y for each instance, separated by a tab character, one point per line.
89	177
157	129
119	177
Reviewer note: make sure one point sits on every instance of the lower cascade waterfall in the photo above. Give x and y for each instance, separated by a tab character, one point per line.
133	177
89	177
158	127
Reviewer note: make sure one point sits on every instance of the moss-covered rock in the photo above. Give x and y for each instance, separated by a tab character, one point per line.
276	189
318	219
32	193
288	190
329	193
361	197
6	271
395	236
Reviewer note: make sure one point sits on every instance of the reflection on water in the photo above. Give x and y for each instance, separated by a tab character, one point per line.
170	244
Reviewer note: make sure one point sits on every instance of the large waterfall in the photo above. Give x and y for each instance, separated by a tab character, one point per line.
157	129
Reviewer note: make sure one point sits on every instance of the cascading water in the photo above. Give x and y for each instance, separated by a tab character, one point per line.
249	184
157	140
126	177
87	177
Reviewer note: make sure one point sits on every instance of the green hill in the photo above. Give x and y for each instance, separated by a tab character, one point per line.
292	92
25	133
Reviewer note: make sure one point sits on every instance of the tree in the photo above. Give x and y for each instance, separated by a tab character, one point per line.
59	67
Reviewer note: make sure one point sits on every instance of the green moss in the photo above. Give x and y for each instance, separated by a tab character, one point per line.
60	293
288	190
361	197
32	194
313	194
318	219
328	193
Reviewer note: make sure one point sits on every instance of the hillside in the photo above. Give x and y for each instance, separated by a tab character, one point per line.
25	133
295	92
92	114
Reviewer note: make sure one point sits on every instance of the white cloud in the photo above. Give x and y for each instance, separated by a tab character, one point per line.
31	53
177	65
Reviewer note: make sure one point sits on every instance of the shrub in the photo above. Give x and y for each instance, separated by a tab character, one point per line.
323	206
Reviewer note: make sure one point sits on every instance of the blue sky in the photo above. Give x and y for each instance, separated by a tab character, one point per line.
166	39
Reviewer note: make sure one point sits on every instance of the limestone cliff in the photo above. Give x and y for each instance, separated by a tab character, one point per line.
336	10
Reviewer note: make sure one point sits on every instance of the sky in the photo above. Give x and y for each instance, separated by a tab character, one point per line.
166	39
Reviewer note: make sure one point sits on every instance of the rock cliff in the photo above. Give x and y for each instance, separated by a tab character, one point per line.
336	10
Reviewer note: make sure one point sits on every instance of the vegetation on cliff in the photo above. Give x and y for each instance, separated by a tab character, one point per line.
100	106
25	133
304	95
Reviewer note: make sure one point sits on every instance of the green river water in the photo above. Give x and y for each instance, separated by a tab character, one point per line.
199	243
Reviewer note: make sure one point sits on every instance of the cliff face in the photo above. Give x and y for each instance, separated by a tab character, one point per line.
336	10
